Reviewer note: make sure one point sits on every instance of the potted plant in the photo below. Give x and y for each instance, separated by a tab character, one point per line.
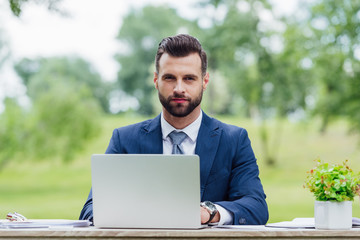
334	188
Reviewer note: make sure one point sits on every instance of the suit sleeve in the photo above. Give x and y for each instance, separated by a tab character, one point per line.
87	211
245	197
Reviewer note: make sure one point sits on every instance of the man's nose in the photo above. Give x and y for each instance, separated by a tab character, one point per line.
179	87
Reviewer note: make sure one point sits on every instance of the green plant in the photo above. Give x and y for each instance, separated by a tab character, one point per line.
333	182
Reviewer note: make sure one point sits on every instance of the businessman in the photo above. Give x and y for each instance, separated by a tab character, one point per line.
231	191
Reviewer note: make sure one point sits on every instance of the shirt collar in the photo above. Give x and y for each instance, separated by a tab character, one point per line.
191	131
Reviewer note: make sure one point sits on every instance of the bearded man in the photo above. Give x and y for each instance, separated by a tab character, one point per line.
231	191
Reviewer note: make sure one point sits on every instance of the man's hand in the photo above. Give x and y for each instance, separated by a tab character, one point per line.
205	216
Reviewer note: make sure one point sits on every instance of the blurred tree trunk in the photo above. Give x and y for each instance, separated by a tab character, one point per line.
269	143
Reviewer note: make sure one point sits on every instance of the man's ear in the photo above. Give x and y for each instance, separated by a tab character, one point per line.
156	80
206	80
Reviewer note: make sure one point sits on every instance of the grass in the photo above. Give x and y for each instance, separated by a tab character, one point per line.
51	189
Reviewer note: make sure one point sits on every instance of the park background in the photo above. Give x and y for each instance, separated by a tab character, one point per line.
289	74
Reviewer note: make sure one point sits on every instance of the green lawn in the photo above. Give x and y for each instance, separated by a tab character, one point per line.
50	189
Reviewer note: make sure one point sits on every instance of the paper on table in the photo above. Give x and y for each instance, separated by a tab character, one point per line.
296	223
304	223
243	227
356	222
44	223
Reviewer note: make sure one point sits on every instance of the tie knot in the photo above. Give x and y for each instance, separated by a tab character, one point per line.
177	137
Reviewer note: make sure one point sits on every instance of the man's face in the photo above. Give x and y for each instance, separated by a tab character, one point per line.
180	84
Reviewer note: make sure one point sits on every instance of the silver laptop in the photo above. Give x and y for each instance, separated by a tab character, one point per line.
146	191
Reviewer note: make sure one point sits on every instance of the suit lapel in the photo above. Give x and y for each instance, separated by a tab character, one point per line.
206	147
150	136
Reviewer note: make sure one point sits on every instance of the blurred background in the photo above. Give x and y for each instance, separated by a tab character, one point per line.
72	71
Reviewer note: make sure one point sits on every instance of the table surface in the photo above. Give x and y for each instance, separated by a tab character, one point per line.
208	233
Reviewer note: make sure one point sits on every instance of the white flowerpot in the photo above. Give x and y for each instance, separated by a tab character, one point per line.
333	215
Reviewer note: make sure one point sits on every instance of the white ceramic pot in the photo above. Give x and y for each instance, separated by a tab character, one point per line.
333	215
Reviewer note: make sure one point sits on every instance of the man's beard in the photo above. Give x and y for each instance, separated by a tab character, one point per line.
179	110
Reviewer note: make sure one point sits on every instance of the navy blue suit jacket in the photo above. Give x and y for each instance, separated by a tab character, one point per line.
229	174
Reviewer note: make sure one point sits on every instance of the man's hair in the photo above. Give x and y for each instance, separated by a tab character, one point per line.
181	45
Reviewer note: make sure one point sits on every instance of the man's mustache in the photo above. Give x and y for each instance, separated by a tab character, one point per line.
176	95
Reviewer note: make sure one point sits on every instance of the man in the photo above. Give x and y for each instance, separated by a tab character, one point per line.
231	191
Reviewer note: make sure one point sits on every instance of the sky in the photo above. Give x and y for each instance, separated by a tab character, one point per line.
89	32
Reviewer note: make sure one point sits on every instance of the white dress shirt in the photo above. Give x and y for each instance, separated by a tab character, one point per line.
189	145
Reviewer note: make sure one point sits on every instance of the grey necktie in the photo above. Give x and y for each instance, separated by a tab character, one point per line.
177	138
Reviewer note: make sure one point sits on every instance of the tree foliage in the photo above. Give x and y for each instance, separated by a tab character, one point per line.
64	114
41	75
12	132
336	63
328	41
59	124
241	49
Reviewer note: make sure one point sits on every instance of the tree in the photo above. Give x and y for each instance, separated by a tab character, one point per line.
64	113
335	37
12	132
66	94
140	33
328	40
40	75
59	124
62	121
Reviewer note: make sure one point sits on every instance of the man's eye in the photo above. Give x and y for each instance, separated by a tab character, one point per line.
168	77
189	78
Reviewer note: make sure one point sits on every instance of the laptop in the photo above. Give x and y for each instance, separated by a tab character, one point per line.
146	191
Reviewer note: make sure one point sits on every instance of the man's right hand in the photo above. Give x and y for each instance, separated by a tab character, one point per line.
205	216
